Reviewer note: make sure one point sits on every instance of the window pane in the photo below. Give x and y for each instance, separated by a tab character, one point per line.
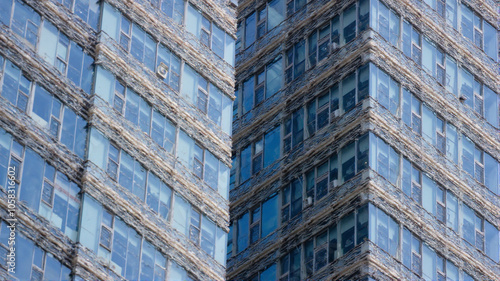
348	92
250	30
349	24
42	104
272	146
181	214
275	14
491	104
270	215
348	162
242	234
490	40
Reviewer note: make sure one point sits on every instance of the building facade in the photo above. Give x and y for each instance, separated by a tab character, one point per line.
366	141
115	138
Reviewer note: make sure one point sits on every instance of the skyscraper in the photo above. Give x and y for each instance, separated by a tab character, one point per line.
366	141
115	138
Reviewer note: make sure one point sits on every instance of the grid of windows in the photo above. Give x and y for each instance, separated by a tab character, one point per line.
22	20
87	10
40	186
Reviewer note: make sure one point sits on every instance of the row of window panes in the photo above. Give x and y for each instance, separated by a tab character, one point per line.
436	200
200	161
319	180
59	120
261	86
434	129
127	253
143	183
264	19
472	25
438	64
68	57
187	220
143	46
174	9
55	47
196	89
162	130
40	186
271	14
135	109
367	222
37	264
257	223
22	20
209	34
87	10
269	80
388	93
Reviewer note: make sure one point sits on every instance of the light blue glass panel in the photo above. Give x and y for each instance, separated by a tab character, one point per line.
111	21
490	40
185	149
189	84
181	215
193	21
98	148
491	104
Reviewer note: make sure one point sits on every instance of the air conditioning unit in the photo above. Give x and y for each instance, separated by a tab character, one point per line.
336	113
162	70
309	201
